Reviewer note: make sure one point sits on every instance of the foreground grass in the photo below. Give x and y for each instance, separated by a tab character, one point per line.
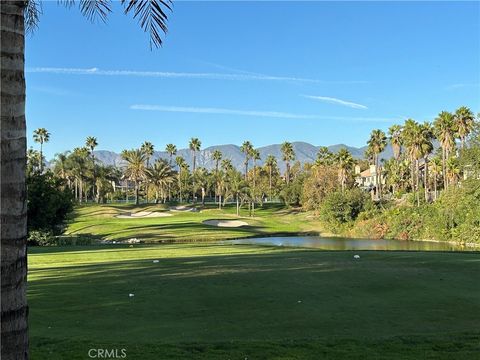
101	221
204	301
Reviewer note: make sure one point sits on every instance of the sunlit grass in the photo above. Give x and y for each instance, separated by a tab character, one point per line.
211	301
101	221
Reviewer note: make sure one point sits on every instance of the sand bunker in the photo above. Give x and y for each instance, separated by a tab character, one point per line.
183	208
143	214
225	223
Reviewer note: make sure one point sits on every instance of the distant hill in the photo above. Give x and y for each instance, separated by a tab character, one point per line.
304	152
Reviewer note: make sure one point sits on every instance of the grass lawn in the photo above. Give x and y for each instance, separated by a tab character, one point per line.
101	221
210	301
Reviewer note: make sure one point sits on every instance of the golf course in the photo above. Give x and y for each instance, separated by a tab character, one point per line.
213	300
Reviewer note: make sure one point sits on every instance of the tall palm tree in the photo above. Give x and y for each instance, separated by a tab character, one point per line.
194	146
376	144
465	120
288	154
435	170
345	162
16	17
41	136
271	164
216	156
171	149
136	170
246	148
412	138
426	147
148	149
444	129
181	164
160	175
255	155
395	137
91	143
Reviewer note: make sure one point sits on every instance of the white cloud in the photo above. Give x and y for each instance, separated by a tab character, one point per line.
202	110
179	75
336	101
257	113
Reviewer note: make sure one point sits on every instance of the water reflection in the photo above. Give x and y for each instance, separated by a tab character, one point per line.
338	243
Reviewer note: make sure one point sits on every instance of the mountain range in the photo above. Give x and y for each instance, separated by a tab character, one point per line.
304	152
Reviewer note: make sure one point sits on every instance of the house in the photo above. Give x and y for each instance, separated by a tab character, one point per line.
367	179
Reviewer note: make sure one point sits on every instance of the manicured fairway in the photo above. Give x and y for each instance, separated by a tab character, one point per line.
209	301
101	221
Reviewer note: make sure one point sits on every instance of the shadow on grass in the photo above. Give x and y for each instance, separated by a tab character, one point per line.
283	296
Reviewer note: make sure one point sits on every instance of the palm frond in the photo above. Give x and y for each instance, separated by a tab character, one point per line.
91	9
33	10
151	17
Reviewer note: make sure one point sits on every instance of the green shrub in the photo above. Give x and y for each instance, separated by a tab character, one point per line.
49	203
340	208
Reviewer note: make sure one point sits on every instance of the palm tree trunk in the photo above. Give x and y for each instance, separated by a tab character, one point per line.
435	185
238	210
41	156
444	168
193	178
136	192
425	180
14	310
417	182
270	182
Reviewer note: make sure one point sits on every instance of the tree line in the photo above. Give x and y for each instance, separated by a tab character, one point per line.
426	158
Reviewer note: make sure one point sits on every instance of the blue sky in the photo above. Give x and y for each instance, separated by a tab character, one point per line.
319	72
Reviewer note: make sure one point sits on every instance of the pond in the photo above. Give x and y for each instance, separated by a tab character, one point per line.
338	243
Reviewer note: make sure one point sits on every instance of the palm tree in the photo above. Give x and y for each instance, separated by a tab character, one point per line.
376	144
324	156
41	136
465	120
148	149
135	170
33	161
444	129
194	146
160	175
237	187
288	154
216	156
79	163
255	155
227	165
91	143
180	161
171	149
271	164
345	162
453	170
395	137
426	147
60	167
246	148
16	17
435	169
